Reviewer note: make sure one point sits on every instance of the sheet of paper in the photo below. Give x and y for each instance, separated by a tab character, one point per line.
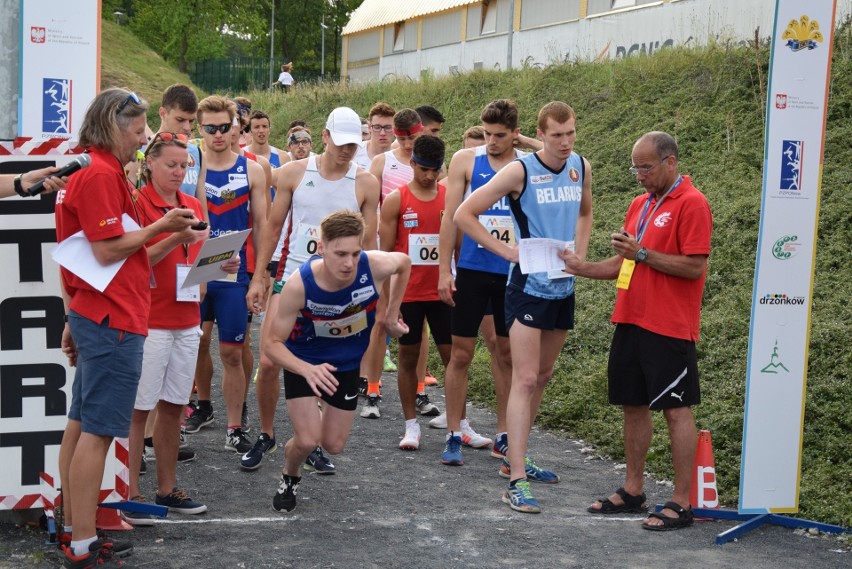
539	255
213	253
75	254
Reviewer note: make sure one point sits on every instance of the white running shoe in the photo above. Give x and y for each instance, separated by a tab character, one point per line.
439	422
370	409
471	438
411	440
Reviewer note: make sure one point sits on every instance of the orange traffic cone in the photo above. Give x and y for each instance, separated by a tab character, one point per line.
704	493
110	519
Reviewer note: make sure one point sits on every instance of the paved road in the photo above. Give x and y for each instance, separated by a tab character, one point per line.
390	508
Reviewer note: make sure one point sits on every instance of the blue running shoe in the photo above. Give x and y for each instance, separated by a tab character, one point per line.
254	457
318	463
501	446
520	498
452	455
534	473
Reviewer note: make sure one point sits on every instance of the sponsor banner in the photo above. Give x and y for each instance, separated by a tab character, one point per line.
59	70
35	380
783	284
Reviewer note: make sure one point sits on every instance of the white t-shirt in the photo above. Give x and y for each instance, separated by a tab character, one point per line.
285	78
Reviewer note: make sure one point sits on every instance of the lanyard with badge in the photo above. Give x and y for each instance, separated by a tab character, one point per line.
190	293
628	265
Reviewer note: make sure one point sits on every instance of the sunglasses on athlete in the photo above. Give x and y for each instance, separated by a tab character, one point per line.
212	128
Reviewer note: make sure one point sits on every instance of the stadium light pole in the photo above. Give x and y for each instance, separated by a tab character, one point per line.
322	51
271	44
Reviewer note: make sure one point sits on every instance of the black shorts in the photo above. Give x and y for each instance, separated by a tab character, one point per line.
541	313
435	312
345	398
649	369
478	293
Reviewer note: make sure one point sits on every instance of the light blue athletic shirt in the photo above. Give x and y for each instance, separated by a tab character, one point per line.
193	170
548	206
472	256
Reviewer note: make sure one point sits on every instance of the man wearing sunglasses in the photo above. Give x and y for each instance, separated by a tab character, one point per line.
236	194
660	263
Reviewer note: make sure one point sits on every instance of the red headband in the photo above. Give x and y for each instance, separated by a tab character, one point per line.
413	130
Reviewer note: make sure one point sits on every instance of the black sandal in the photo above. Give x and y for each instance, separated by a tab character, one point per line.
632	504
684	518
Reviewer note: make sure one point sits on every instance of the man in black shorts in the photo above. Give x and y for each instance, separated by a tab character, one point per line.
319	334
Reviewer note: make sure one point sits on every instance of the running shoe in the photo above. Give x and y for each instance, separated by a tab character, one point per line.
254	457
199	418
430	379
452	454
101	554
119	548
143	468
285	498
533	472
411	440
317	462
177	501
389	366
426	407
370	409
501	446
244	426
362	386
439	422
520	498
139	519
186	455
471	438
182	437
237	441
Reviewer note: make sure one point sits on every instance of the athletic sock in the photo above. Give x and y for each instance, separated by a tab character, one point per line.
149	442
421	386
373	388
81	547
205	405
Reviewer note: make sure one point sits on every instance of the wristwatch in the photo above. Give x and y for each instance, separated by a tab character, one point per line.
19	188
641	255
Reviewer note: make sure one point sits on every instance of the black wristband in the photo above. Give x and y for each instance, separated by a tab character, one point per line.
19	188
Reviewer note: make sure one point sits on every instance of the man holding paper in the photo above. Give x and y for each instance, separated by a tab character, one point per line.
550	196
106	328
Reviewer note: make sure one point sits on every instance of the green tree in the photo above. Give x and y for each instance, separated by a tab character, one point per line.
195	30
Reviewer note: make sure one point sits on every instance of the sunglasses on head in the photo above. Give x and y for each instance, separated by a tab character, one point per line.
213	128
131	97
165	138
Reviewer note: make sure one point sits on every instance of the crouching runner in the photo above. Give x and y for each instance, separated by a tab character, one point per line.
320	333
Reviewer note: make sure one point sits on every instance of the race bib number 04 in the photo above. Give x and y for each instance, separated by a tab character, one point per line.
342	327
423	249
500	227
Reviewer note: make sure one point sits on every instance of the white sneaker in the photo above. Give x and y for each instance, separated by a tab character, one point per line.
370	409
439	422
411	440
471	438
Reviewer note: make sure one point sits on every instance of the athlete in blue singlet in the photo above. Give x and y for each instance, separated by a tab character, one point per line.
550	196
318	334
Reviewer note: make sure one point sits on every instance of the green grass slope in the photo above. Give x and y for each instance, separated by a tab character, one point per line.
713	102
127	62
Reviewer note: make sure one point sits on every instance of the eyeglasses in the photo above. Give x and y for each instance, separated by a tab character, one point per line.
646	170
213	128
131	97
300	141
380	128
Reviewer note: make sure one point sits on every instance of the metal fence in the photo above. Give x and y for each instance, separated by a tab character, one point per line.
241	74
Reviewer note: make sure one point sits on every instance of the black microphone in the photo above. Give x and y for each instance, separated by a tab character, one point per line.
81	161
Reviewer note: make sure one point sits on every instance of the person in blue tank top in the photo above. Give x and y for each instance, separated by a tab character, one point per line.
550	196
319	333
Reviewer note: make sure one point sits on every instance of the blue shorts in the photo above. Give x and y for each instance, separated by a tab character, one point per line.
541	313
227	303
109	363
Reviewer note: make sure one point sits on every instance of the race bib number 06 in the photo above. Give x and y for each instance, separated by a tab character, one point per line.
342	327
423	249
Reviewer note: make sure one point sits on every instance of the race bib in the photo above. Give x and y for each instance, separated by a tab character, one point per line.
341	327
307	239
500	227
423	249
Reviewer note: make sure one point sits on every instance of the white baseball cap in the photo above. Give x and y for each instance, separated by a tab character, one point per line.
344	126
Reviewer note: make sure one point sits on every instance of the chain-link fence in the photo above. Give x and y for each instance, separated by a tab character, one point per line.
241	74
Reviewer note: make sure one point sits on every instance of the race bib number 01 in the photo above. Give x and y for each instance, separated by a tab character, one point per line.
500	227
342	327
307	240
423	249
